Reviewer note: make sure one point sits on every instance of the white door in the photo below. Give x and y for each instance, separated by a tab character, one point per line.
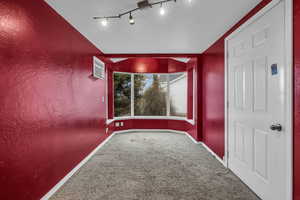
256	94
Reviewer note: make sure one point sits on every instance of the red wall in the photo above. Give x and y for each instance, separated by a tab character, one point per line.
296	100
212	67
49	107
149	65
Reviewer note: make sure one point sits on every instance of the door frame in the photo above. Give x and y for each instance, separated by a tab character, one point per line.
288	60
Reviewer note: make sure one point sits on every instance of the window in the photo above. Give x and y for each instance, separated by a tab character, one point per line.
153	95
150	95
122	94
178	95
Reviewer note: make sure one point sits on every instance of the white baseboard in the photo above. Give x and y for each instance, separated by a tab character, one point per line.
193	139
214	154
73	171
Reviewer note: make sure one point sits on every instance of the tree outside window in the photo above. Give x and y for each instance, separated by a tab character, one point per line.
151	94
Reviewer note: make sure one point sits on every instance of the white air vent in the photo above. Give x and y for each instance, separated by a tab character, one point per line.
98	68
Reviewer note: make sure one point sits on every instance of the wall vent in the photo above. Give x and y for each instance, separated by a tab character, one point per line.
98	68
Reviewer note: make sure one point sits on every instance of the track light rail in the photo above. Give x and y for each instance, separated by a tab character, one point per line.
135	9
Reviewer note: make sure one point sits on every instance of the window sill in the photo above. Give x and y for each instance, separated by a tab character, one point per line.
191	121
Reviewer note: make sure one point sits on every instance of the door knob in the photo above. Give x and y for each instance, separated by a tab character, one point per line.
276	127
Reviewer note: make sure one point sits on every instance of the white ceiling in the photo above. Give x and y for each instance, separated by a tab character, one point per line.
186	27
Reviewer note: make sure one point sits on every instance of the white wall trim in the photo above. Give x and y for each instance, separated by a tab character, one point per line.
131	95
145	73
195	81
75	169
132	116
181	59
168	96
106	93
191	121
178	78
213	154
289	94
193	139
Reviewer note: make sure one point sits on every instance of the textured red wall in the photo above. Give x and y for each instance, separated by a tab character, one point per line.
296	100
50	113
213	98
213	89
149	65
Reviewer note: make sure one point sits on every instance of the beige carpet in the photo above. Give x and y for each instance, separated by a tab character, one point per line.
153	166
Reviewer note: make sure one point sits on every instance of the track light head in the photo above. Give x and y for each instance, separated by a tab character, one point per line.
162	10
104	22
131	20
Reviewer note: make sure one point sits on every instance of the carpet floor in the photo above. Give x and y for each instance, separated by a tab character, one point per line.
153	166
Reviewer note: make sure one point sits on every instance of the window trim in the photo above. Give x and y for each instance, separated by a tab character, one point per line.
166	117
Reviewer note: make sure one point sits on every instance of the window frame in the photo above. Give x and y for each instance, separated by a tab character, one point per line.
167	116
113	94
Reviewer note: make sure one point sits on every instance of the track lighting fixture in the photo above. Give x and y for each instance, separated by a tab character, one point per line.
140	6
131	20
144	4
